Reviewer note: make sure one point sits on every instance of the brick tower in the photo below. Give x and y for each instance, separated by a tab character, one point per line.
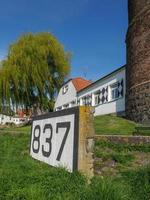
138	61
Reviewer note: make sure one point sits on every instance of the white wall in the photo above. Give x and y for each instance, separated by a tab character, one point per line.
66	98
9	119
110	106
5	119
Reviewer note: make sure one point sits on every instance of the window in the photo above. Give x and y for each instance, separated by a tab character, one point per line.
73	103
22	120
59	108
78	102
66	106
114	91
96	98
86	100
65	89
83	101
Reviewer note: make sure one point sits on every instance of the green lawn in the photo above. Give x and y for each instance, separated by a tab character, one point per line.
112	125
15	129
104	125
125	161
23	178
112	159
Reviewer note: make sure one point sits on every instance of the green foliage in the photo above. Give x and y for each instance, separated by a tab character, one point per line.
112	125
25	178
122	158
143	131
122	147
33	72
15	129
113	159
105	189
139	181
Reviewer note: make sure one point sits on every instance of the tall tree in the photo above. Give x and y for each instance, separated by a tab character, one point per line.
33	72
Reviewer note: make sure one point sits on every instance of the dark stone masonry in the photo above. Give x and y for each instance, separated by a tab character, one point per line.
124	139
138	61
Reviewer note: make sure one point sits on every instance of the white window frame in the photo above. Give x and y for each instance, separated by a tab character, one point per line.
96	98
73	103
86	100
83	101
59	108
65	89
66	106
114	91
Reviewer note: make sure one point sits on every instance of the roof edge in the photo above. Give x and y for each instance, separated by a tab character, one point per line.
73	79
113	72
66	82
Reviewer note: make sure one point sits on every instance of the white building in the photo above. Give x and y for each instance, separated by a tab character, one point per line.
5	119
67	96
107	94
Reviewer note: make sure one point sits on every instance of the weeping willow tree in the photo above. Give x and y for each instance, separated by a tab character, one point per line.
33	72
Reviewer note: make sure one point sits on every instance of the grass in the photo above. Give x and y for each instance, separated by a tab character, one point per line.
23	178
104	125
113	125
122	147
139	181
113	159
15	129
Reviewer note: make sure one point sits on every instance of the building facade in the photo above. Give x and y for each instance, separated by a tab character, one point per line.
107	94
5	119
67	96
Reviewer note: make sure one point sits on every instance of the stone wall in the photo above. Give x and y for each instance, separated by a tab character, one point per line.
138	61
135	6
139	106
118	139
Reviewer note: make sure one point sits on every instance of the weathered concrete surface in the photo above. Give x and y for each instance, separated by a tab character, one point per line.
86	140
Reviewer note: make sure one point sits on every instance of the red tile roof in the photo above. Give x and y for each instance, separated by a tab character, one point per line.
80	83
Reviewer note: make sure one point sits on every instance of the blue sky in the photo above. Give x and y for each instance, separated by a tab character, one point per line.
92	30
